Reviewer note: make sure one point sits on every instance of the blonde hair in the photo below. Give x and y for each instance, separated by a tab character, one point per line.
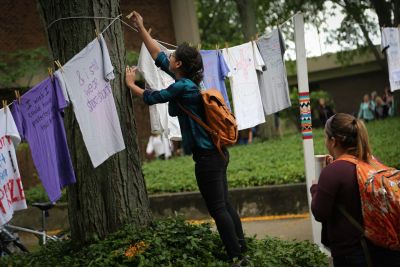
351	134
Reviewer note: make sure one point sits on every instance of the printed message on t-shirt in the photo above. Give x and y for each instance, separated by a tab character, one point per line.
40	109
11	190
96	92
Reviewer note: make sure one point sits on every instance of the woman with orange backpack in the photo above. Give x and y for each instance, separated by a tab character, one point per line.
357	199
185	101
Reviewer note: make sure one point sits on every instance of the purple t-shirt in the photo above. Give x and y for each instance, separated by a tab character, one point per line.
215	71
39	120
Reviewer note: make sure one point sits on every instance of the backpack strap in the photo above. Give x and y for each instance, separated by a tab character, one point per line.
205	126
354	222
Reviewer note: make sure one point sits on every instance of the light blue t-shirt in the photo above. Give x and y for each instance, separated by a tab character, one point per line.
215	72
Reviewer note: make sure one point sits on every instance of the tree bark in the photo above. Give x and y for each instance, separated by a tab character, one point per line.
248	18
114	193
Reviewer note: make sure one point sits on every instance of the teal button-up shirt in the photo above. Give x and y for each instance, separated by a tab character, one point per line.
187	93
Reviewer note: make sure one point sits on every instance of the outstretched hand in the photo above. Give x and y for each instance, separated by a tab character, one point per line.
137	20
130	75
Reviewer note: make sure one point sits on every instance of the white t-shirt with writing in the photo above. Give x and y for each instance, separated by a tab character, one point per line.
85	80
12	195
157	79
243	61
391	45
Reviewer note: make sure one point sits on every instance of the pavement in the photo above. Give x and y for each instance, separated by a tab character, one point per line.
287	227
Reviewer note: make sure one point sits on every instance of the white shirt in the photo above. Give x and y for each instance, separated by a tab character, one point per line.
243	60
273	82
391	45
157	79
159	145
12	195
85	81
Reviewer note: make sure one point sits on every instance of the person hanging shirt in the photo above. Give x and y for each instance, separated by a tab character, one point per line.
391	45
12	197
39	120
273	82
215	72
243	60
86	81
157	79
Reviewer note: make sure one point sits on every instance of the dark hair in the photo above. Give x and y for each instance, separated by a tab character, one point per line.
351	134
192	64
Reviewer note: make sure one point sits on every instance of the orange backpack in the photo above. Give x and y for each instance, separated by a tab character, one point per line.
380	201
221	123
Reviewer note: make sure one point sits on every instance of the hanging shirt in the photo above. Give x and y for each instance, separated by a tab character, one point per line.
157	79
274	88
215	72
243	60
39	120
12	196
391	45
86	80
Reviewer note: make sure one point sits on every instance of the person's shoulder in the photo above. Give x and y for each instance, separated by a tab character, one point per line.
185	83
338	168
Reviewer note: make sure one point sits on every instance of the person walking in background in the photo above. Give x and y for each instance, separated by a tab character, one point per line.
381	109
186	67
246	136
374	95
338	186
324	111
367	109
389	101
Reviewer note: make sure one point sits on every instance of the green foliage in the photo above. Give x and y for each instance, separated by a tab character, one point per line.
37	194
278	161
132	58
21	63
171	242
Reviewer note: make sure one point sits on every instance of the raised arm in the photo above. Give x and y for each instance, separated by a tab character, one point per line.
150	43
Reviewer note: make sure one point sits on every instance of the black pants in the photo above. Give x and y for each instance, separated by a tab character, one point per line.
210	170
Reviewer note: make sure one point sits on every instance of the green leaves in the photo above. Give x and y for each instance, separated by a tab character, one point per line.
170	242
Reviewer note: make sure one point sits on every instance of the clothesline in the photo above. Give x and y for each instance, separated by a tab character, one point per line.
107	18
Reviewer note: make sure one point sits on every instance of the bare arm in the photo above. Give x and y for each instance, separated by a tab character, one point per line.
130	76
150	43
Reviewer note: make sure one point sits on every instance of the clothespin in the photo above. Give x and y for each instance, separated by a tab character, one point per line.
199	46
217	46
130	15
58	64
50	70
226	45
5	105
17	96
257	36
97	33
149	31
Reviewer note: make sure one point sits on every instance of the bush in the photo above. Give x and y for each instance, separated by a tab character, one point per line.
171	242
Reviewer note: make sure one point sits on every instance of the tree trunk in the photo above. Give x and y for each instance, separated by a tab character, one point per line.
248	18
114	193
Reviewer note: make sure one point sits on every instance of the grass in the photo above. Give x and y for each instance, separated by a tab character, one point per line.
278	161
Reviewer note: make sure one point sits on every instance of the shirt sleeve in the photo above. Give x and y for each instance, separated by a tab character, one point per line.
62	103
107	65
63	85
163	63
226	57
258	61
223	66
384	41
16	114
323	194
151	97
12	130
